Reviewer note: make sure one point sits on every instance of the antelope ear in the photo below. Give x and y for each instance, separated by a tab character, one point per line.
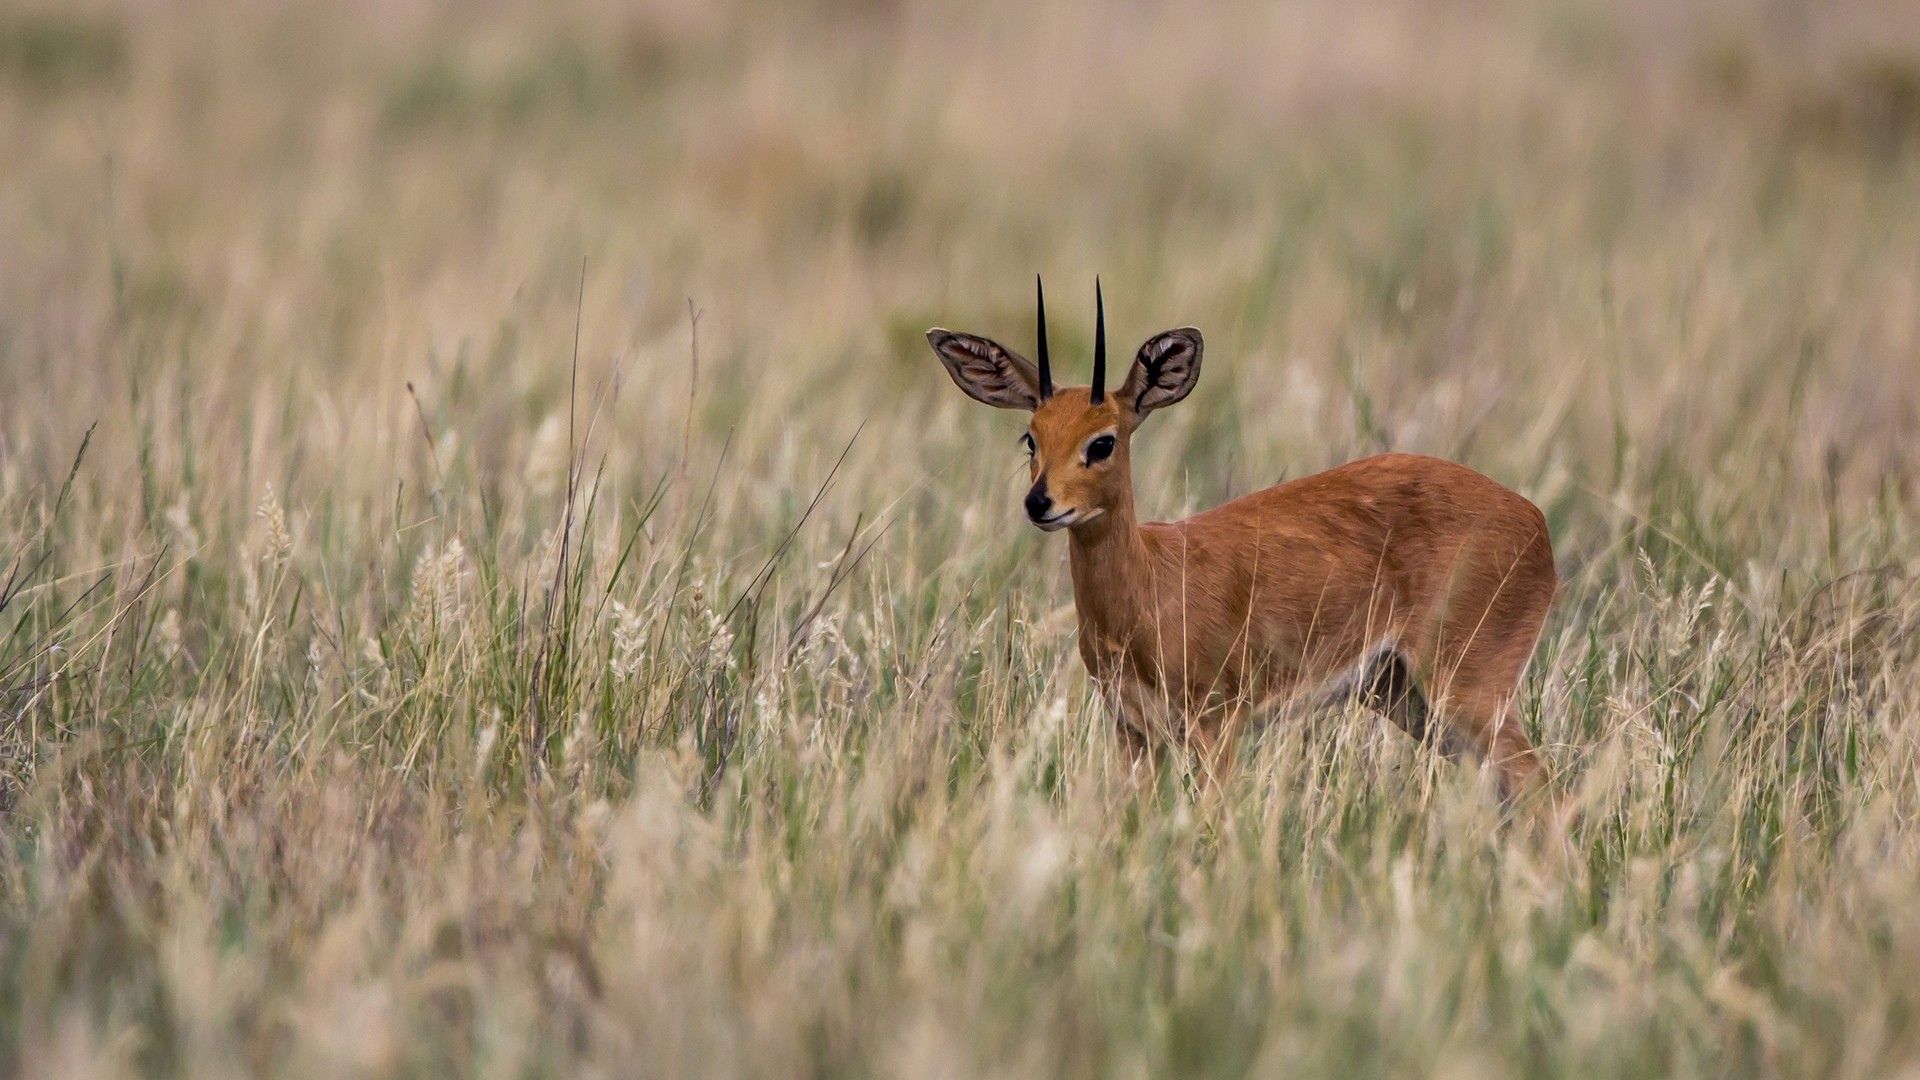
1164	371
988	371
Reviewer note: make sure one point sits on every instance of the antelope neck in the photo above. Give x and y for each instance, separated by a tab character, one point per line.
1108	559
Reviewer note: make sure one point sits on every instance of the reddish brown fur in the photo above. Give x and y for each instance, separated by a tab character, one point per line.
1397	558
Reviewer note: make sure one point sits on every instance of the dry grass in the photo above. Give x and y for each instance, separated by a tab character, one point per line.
337	744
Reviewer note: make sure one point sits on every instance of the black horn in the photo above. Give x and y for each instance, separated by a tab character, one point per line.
1099	343
1040	330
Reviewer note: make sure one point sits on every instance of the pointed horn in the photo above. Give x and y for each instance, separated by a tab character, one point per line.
1040	331
1099	344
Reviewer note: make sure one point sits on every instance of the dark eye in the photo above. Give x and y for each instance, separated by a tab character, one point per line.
1026	443
1100	449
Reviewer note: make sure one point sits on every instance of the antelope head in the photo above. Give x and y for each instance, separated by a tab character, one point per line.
1077	443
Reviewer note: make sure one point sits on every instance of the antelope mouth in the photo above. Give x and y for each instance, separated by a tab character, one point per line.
1065	518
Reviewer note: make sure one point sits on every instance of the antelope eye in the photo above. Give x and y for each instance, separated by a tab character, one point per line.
1100	449
1026	443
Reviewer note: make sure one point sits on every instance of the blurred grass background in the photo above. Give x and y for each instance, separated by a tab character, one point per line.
340	740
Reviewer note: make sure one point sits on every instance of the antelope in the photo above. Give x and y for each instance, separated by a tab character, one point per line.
1413	584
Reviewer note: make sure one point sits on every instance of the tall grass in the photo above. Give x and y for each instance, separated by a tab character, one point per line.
421	654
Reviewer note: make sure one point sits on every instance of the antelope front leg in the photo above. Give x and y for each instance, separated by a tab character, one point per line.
1214	736
1132	722
1139	750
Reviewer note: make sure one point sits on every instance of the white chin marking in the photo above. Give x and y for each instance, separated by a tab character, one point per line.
1066	518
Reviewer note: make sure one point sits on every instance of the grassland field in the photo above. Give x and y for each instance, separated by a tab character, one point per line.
493	581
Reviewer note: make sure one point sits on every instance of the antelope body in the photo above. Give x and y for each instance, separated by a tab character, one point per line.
1413	584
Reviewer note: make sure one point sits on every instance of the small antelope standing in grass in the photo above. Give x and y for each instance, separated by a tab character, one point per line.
1415	585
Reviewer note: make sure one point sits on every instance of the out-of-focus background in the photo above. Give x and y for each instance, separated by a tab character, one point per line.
493	580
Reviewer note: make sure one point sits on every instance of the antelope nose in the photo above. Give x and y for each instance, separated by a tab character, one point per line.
1038	505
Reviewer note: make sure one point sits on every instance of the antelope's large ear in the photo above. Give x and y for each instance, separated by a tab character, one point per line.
988	371
1164	372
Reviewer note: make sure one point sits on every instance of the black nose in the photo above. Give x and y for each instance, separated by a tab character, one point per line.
1038	505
